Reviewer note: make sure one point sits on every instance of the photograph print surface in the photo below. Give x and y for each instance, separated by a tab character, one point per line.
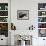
23	14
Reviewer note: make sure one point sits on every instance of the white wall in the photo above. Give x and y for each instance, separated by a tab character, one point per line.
24	5
32	6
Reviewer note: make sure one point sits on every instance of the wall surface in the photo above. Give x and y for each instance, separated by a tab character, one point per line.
32	6
24	5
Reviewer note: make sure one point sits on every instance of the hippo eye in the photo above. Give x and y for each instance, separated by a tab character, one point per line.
1	39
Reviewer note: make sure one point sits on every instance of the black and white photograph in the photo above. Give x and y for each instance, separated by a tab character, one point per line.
41	6
23	14
41	19
42	32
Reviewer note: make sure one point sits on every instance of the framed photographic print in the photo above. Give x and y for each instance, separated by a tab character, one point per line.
42	32
23	14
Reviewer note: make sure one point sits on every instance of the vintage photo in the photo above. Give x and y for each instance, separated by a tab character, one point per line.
23	14
42	32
